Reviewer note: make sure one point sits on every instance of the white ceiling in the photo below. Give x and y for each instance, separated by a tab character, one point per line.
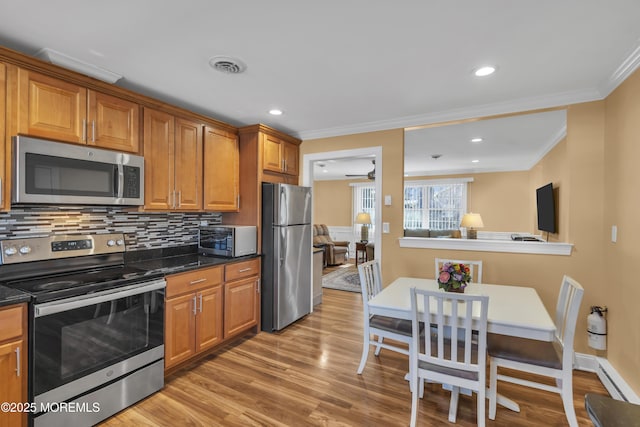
343	67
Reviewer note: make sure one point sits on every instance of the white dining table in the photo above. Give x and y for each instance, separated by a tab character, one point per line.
513	310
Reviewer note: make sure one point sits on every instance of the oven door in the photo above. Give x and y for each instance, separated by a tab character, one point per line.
80	343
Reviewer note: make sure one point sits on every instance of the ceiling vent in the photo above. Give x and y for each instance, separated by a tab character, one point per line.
227	64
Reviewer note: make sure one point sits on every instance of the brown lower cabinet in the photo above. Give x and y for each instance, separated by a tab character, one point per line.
205	307
13	363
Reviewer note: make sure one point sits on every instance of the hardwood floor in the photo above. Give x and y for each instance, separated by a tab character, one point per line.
306	376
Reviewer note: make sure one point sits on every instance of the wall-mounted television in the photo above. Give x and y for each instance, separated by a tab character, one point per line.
546	208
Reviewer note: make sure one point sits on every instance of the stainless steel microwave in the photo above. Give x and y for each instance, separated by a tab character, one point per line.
228	240
57	173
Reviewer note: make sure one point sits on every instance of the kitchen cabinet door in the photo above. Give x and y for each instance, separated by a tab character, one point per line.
240	306
290	156
158	160
50	108
5	189
209	318
12	369
221	170
188	165
179	329
113	123
271	153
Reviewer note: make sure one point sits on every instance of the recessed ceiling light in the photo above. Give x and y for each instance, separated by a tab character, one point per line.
476	140
475	161
275	112
484	71
325	171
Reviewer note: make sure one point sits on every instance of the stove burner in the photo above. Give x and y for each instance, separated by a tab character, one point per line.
56	285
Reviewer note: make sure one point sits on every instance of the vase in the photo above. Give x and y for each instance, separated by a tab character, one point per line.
459	290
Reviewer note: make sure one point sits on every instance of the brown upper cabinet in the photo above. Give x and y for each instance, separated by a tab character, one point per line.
173	162
5	158
221	170
48	107
279	155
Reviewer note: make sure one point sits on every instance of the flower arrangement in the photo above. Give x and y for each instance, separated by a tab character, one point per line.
454	277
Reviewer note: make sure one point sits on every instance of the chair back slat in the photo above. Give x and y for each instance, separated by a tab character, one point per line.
446	310
370	282
475	267
567	311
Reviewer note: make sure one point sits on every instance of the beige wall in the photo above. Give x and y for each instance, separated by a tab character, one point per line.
594	169
332	203
392	143
619	288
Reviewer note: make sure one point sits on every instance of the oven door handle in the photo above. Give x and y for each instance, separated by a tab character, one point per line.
98	297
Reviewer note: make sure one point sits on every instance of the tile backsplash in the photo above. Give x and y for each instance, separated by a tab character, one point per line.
142	230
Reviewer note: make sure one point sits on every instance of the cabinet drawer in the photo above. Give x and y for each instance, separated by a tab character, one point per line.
242	269
11	322
193	280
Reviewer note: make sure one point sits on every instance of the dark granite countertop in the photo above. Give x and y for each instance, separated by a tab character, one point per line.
178	260
10	296
155	261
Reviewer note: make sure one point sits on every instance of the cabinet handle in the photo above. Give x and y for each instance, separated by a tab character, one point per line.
244	270
194	305
93	131
179	198
194	282
200	303
258	285
17	361
84	130
1	192
238	201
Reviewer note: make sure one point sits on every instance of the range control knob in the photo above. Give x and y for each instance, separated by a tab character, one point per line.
119	242
111	243
11	250
25	250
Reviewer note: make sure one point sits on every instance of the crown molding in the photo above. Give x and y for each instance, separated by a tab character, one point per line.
525	104
621	73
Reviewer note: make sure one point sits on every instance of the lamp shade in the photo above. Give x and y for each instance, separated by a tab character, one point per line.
471	220
363	218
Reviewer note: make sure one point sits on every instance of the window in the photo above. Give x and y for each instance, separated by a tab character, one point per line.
435	204
364	200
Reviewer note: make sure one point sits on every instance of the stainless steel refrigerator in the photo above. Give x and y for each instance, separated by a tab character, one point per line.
286	250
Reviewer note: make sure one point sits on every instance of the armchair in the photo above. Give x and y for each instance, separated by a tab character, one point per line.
335	252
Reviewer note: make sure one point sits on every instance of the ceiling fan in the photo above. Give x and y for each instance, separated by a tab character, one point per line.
369	175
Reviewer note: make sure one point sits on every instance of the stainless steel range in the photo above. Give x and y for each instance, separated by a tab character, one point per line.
96	327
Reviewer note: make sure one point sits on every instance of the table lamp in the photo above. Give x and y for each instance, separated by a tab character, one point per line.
364	219
471	221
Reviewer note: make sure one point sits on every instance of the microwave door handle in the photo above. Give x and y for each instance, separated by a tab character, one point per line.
120	180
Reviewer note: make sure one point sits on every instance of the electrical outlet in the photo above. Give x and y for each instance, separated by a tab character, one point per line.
387	200
614	233
385	227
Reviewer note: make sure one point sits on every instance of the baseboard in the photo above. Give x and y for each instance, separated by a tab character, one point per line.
607	374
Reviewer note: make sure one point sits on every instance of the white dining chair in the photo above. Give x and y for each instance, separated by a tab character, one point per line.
380	326
474	266
551	359
434	358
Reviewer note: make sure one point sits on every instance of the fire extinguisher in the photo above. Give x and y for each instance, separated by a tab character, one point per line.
597	328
